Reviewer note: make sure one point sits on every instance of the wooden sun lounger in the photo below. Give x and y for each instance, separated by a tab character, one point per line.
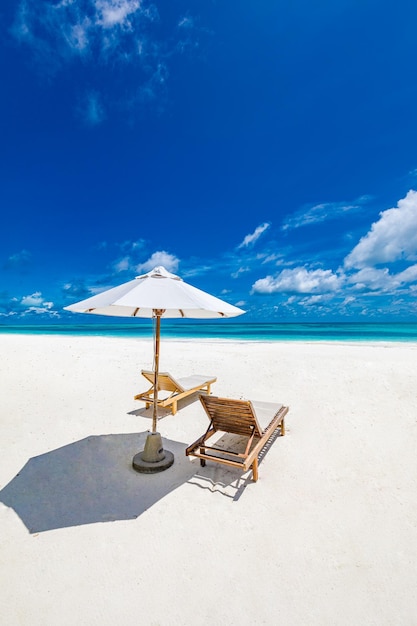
177	389
255	420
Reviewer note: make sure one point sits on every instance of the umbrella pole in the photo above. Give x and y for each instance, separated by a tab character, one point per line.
156	372
154	458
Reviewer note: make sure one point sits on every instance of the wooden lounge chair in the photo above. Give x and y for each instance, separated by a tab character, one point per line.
256	421
176	389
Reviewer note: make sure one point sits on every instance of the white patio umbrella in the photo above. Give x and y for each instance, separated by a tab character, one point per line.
155	295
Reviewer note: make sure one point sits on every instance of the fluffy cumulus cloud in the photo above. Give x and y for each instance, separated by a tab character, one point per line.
32	304
299	280
392	238
167	260
34	300
368	269
252	238
381	279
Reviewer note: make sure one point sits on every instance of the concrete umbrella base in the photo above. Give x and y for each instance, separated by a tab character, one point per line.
153	458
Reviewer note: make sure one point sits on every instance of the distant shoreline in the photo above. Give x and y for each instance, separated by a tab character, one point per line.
345	332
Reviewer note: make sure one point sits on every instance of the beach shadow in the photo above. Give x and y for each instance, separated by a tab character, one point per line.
229	481
90	481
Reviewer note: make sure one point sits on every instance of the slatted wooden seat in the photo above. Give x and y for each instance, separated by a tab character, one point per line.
256	421
172	389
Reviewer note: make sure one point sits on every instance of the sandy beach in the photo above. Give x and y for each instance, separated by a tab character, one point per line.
326	537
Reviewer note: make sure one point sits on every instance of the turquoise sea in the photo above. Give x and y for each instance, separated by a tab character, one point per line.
230	330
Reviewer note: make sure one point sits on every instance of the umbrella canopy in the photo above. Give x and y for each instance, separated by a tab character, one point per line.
154	295
158	290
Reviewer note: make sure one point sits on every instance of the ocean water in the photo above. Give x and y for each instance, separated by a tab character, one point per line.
230	330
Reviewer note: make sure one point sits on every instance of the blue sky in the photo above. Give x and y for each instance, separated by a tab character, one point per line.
264	151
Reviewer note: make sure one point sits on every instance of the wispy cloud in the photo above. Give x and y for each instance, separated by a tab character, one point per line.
252	238
107	29
76	290
121	37
91	109
122	265
19	261
239	271
314	214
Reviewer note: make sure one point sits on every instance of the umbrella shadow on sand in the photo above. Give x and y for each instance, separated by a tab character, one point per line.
90	481
229	481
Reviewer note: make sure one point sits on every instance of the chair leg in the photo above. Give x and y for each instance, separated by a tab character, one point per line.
174	408
282	427
203	461
255	470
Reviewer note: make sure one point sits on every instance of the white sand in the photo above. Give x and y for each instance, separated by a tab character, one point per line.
327	536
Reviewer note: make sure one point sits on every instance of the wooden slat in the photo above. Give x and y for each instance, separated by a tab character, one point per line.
166	383
235	417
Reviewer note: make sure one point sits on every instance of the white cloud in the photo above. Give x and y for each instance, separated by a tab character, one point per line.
186	22
409	275
122	265
271	258
130	246
393	237
41	310
241	270
119	35
299	280
33	304
249	240
35	299
322	212
76	28
116	12
374	279
313	300
381	280
169	261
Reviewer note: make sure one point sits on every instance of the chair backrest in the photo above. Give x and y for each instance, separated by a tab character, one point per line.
231	416
165	380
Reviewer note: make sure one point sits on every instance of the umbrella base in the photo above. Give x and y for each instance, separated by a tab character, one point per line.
153	458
